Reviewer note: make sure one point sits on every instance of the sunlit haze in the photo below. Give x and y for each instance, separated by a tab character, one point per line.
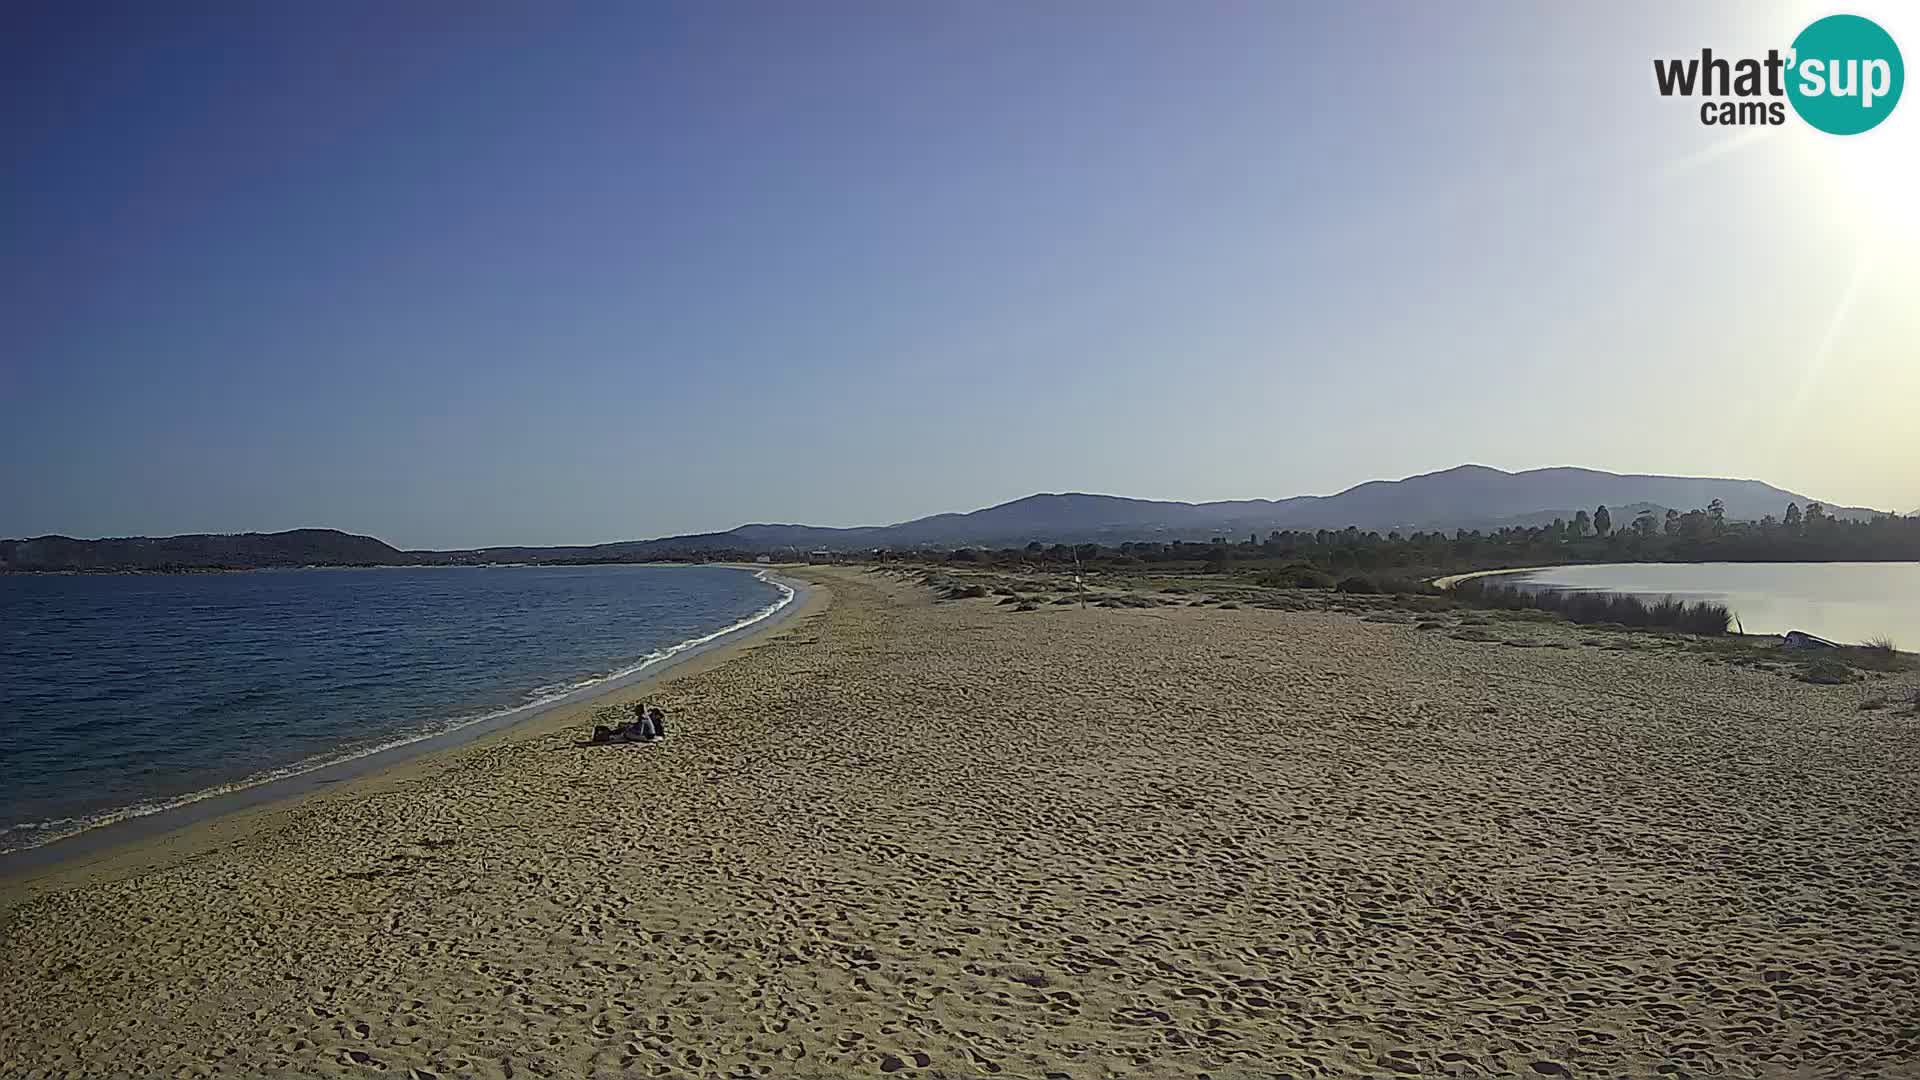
538	276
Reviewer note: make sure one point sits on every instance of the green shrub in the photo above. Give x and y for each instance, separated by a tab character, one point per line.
1876	655
1596	608
1295	577
1826	671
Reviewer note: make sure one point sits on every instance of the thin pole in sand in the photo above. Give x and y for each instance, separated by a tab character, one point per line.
1079	585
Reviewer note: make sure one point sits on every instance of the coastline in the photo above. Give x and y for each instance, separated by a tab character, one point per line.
1450	580
200	820
941	838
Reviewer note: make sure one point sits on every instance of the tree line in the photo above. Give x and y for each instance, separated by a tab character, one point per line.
1808	534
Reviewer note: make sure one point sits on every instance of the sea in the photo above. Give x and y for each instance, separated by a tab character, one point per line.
1847	602
123	696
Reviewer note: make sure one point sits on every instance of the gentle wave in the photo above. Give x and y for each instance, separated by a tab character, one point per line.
41	833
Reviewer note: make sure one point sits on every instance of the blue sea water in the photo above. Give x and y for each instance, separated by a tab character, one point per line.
127	694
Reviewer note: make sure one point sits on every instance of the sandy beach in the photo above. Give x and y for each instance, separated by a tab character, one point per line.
901	836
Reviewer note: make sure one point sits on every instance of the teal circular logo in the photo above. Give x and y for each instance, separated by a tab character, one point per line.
1846	76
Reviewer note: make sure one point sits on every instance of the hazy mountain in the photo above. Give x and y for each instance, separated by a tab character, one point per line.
1470	496
299	547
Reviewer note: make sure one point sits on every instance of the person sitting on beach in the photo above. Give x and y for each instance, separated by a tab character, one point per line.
646	726
627	732
642	729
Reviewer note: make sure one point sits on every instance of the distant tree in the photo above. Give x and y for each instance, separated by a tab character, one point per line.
1816	516
1602	521
1557	530
1673	522
1717	515
965	555
1581	523
1035	547
1792	521
1646	524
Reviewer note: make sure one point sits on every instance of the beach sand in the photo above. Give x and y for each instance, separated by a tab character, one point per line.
950	839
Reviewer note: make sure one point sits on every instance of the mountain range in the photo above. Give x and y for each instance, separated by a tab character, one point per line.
1469	496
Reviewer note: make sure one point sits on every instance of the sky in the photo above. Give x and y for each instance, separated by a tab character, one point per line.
455	275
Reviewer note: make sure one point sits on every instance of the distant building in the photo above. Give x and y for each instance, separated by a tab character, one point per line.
763	559
819	555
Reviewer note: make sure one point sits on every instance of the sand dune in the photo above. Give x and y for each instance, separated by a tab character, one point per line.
901	837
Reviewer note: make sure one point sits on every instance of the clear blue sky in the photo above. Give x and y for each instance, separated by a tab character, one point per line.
559	273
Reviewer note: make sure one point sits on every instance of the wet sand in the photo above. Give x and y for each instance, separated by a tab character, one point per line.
950	839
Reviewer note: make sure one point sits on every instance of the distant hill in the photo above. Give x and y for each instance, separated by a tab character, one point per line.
299	547
1470	496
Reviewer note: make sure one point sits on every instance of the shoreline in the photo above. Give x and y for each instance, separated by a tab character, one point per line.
186	571
944	837
171	825
1450	580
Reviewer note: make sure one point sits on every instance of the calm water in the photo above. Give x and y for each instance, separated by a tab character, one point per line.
1846	602
127	694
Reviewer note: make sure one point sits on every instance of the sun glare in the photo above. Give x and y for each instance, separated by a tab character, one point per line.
1876	173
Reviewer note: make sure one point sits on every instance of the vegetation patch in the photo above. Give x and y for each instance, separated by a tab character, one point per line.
1300	576
1825	671
1876	655
1528	615
1594	608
